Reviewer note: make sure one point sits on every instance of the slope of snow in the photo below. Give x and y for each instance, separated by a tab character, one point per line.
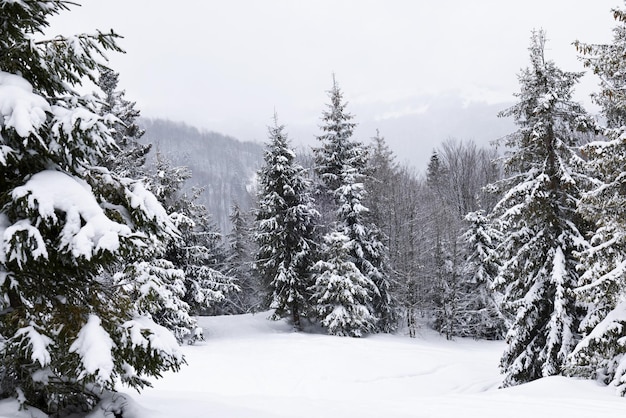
252	367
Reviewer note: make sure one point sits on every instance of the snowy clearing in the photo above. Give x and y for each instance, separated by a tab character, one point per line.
252	367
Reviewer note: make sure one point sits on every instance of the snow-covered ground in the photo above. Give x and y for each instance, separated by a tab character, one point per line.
252	367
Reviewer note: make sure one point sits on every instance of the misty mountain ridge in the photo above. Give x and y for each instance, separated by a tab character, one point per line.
226	166
223	166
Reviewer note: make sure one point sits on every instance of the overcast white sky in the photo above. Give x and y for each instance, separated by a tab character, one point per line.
419	70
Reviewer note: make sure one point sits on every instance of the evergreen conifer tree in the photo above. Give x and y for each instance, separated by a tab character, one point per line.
538	221
341	292
337	145
130	157
66	334
285	230
480	306
197	250
365	246
239	264
161	290
602	351
341	163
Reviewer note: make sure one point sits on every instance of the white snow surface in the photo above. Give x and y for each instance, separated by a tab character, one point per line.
255	368
252	367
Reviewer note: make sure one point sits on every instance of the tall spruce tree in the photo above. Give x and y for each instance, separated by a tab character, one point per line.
480	312
239	263
197	250
66	335
130	157
337	145
381	171
602	352
166	292
341	164
540	229
285	231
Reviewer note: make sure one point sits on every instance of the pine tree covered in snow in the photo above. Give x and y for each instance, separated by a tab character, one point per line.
479	313
239	265
602	352
65	333
364	245
197	250
381	172
286	223
130	157
350	305
342	294
538	221
336	148
154	284
336	141
341	163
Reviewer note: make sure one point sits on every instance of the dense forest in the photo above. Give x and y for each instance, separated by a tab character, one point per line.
119	215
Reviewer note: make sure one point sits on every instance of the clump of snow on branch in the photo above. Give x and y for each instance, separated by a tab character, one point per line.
94	346
20	108
143	332
37	342
87	229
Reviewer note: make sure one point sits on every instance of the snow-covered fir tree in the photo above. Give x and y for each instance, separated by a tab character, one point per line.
540	229
188	260
480	312
381	172
155	284
239	263
197	250
130	157
347	305
66	335
601	354
341	292
285	230
341	164
336	147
